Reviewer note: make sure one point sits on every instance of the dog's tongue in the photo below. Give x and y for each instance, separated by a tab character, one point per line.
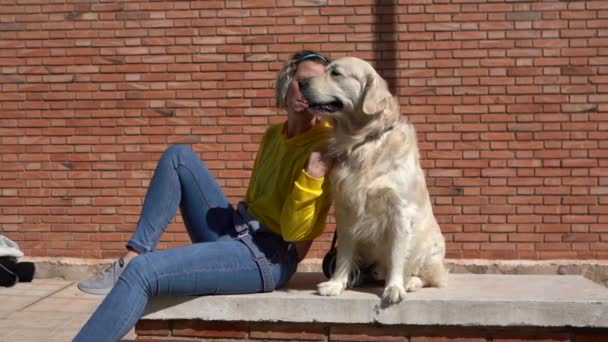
329	107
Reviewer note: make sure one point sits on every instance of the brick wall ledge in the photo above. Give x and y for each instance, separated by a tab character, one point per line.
468	300
596	270
479	308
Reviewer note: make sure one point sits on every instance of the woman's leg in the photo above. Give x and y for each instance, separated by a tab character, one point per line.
182	180
220	267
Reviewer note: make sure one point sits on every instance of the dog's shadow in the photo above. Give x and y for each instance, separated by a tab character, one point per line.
375	288
309	281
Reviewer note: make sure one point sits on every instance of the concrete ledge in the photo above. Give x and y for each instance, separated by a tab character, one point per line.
66	268
468	301
596	270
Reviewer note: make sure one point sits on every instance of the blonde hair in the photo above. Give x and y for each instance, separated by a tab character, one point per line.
286	74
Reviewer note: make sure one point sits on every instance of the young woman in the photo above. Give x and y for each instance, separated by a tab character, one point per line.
253	247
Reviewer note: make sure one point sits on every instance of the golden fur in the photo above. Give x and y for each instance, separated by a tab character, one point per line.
383	209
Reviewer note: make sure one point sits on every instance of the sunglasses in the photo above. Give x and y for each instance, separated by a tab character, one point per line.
312	55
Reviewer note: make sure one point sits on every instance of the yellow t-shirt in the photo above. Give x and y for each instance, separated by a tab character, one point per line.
281	195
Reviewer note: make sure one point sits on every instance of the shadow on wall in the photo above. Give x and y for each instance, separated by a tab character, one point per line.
385	41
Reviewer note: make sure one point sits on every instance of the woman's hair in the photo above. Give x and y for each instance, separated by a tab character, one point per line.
289	69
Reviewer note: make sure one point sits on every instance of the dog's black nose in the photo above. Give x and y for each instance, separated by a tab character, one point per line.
303	84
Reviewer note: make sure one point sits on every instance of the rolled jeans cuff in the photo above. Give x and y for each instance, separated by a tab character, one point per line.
138	247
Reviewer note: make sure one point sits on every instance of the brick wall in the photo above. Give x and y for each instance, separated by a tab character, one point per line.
194	330
510	99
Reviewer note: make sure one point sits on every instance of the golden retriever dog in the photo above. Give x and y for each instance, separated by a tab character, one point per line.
383	210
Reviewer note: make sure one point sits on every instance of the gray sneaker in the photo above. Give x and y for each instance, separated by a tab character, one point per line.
102	283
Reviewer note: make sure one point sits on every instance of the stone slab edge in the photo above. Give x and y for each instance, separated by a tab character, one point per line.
595	270
470	301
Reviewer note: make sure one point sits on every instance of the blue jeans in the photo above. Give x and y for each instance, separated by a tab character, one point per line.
216	262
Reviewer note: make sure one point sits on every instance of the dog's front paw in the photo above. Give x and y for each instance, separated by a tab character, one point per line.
393	294
330	288
413	284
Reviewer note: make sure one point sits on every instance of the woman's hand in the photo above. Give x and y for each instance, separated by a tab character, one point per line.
319	163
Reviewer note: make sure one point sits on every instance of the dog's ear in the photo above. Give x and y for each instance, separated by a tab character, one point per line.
377	97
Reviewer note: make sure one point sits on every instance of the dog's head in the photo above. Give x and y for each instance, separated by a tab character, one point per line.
352	94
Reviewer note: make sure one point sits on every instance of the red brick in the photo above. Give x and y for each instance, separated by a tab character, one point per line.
282	331
446	339
572	71
530	336
194	328
160	339
589	337
154	328
367	333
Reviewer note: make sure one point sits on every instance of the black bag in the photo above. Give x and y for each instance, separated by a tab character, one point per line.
356	278
12	272
8	271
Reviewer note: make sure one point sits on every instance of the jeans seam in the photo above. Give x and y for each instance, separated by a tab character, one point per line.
223	269
159	278
164	211
167	203
196	180
239	267
133	313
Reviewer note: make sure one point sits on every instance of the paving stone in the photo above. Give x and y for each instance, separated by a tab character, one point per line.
51	310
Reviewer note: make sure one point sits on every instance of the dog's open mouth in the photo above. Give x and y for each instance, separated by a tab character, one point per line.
327	107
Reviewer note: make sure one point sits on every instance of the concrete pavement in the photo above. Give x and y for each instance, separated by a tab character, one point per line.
50	310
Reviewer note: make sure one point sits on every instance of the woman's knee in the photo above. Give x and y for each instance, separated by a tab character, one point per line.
178	150
178	155
138	271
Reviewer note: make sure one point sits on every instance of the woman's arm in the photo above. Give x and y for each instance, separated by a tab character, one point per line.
306	207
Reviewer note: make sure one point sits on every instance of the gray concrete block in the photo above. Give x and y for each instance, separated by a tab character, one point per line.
468	300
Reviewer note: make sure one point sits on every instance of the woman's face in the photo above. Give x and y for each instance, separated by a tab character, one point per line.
294	99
